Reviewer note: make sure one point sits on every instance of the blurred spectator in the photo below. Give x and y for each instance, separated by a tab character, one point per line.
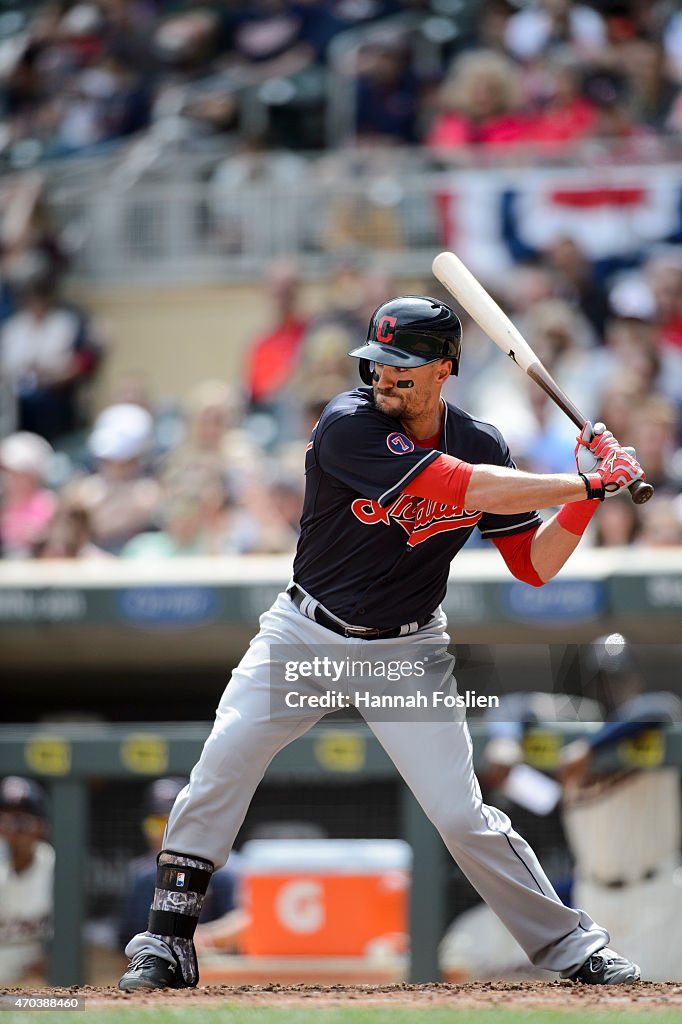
188	40
216	446
220	900
26	506
323	368
632	349
181	534
103	102
664	277
272	355
243	182
26	881
564	114
654	432
192	97
357	219
277	50
492	24
387	94
69	535
269	513
480	106
28	226
616	123
575	281
269	38
618	524
121	496
548	23
618	400
47	351
652	90
661	522
286	494
672	42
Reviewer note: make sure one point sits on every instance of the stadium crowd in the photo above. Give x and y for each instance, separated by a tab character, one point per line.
219	469
79	76
223	471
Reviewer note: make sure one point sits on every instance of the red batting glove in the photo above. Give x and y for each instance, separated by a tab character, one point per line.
593	442
617	469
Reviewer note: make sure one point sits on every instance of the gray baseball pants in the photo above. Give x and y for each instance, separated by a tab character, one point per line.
433	757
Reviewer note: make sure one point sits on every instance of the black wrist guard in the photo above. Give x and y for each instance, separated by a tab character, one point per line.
594	485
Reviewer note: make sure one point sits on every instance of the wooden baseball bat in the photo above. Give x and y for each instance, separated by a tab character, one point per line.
482	308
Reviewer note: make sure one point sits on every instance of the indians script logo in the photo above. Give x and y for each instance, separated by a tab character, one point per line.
420	518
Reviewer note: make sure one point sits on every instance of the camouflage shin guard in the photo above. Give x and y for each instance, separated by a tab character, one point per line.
181	884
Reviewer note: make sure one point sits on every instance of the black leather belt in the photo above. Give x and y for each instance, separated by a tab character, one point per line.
316	612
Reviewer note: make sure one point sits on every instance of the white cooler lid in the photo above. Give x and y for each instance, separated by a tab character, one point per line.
329	856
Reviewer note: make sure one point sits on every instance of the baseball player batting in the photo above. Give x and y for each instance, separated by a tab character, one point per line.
396	480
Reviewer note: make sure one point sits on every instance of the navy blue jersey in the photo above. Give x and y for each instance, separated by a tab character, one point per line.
369	553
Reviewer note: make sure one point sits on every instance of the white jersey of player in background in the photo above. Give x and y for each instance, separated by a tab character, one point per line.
25	912
625	836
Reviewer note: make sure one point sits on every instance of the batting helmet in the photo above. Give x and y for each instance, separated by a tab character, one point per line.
409	331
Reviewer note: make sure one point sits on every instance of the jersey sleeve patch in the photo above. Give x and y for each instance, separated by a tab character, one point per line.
399	444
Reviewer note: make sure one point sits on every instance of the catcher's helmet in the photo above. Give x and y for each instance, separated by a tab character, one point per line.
409	331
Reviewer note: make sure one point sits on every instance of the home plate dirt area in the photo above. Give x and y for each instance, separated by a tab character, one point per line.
528	995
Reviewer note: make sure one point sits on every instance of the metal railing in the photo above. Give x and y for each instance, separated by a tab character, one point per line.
160	217
208	231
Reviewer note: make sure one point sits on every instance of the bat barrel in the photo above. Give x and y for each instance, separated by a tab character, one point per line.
472	296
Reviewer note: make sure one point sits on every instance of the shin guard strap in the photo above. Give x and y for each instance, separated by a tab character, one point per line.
168	922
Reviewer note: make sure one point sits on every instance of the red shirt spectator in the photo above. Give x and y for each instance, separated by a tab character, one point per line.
273	354
272	358
481	104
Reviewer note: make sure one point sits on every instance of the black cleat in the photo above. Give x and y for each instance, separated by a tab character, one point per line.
607	968
147	971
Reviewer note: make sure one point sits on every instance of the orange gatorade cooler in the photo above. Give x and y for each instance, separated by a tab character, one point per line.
326	897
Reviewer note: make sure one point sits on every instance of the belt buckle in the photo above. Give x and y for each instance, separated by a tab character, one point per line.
361	632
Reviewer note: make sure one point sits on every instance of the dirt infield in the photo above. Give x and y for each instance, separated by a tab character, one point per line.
562	995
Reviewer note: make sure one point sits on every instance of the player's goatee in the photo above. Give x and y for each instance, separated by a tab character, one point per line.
388	410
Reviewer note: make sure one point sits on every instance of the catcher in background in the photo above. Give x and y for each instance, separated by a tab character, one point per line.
624	828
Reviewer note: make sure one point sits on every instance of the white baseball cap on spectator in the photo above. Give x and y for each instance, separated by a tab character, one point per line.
25	452
122	432
81	20
633	299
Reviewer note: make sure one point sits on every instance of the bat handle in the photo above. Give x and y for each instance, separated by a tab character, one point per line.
641	491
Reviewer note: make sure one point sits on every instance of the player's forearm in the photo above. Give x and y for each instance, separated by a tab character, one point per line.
551	548
505	491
